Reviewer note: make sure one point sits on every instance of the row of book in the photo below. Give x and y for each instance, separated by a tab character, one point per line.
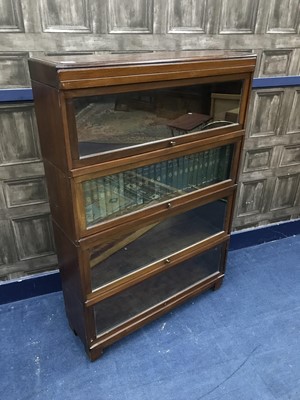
118	194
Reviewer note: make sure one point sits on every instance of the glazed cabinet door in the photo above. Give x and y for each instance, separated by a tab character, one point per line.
106	198
124	255
134	306
122	121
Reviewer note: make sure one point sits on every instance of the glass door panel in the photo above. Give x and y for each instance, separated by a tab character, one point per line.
119	194
114	121
134	250
119	308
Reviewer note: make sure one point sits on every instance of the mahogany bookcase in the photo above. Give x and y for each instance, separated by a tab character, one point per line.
141	155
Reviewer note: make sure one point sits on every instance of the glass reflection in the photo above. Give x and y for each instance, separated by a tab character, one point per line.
117	309
119	194
115	121
133	250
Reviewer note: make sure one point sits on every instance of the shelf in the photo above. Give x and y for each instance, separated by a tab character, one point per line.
116	195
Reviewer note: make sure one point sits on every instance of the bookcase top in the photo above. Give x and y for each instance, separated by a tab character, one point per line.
137	58
103	70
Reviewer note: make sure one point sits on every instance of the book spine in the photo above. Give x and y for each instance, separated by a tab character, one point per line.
115	197
139	175
175	173
205	168
88	203
129	189
170	174
152	185
185	172
228	158
191	170
147	185
108	195
164	172
224	162
95	201
101	197
121	191
180	173
158	187
196	168
216	164
200	169
210	169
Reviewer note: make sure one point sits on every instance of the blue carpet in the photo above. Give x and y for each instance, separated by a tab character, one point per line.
241	342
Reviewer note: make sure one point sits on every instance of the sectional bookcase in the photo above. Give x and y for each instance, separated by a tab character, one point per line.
141	155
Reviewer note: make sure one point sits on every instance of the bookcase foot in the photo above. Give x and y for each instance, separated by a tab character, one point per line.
218	284
95	353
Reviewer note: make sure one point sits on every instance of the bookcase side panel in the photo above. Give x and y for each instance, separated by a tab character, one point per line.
61	199
72	284
50	126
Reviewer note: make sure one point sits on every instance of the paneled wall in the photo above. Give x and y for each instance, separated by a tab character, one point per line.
269	181
269	189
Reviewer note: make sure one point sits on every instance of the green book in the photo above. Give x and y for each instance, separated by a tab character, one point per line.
195	170
146	188
210	168
216	165
130	187
191	170
180	172
121	191
108	195
224	162
101	197
140	183
88	203
152	182
114	191
170	174
200	171
205	168
185	172
164	172
157	176
175	173
95	200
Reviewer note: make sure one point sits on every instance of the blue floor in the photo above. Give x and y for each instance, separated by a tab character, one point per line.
241	342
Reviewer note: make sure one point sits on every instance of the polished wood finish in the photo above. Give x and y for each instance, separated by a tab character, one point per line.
110	70
55	86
